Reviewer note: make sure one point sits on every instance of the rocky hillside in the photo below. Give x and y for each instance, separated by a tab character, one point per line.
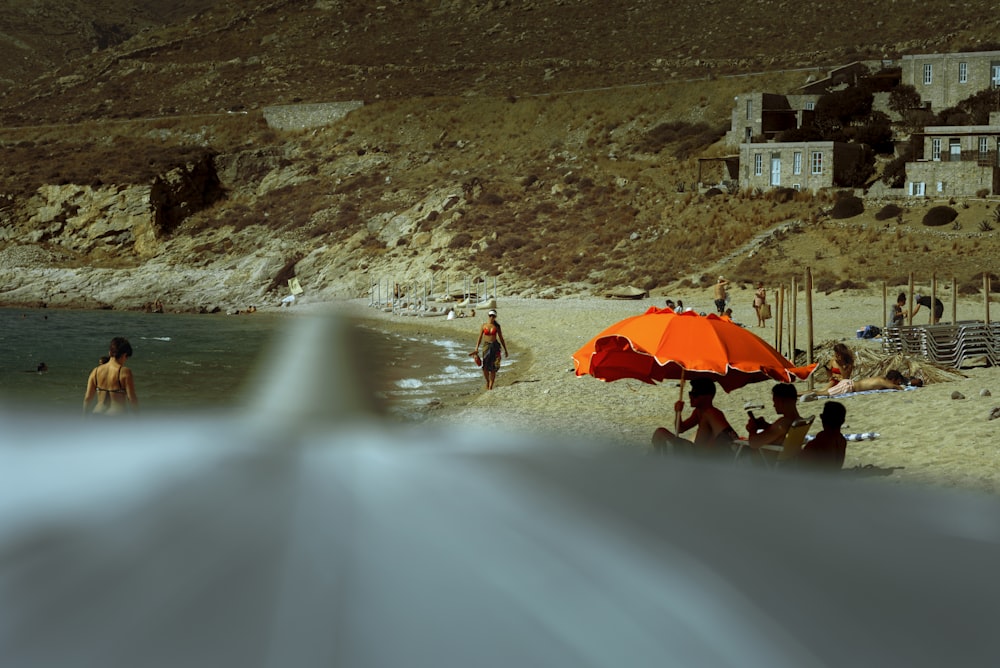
550	144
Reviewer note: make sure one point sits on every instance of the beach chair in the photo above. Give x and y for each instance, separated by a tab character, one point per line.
777	455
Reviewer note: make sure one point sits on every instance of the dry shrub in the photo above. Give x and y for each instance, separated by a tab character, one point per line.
460	240
939	215
888	211
847	207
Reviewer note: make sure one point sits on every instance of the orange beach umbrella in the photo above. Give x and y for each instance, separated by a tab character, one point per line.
660	344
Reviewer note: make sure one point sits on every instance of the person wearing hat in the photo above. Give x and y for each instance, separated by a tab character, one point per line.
720	295
925	300
492	336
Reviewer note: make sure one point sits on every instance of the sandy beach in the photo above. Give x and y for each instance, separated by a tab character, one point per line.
925	436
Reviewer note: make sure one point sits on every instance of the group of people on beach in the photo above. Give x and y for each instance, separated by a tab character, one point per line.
900	313
720	298
715	436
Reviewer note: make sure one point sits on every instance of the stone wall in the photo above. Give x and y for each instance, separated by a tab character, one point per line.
303	116
951	179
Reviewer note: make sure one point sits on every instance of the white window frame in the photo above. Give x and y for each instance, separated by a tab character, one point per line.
928	74
749	109
963	73
796	186
758	164
810	106
917	188
797	162
936	149
995	76
940	186
816	162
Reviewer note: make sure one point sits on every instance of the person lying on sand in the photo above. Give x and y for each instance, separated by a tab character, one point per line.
892	380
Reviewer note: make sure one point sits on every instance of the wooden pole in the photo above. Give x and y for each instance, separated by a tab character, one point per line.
954	300
909	316
776	312
885	305
793	319
986	293
933	306
809	322
779	325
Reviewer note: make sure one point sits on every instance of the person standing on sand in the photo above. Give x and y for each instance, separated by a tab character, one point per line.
719	292
111	384
925	300
492	335
759	299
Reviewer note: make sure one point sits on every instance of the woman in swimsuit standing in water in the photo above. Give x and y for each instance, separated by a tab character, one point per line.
111	384
493	336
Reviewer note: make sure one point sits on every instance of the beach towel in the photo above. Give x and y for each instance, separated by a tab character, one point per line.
863	436
813	397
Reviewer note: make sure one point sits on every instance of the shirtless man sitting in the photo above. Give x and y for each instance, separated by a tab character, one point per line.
784	397
714	434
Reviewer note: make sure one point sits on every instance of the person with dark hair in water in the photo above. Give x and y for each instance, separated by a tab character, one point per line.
111	387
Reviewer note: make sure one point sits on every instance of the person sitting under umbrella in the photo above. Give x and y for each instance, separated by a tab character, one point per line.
785	399
714	434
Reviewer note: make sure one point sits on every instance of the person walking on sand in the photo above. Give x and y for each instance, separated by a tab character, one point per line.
492	335
759	300
111	386
719	292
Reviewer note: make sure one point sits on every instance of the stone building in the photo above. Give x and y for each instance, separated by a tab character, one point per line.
810	165
958	161
763	116
945	79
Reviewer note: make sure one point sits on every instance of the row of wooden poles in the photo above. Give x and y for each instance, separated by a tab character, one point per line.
786	303
388	292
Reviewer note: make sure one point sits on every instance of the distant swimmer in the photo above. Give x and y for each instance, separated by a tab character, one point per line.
41	368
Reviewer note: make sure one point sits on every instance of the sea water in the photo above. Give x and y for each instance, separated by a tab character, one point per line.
189	361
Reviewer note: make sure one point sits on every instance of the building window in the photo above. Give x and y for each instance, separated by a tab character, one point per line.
936	149
963	73
916	188
797	163
984	150
940	186
758	164
749	135
749	109
928	74
816	162
810	106
995	75
796	186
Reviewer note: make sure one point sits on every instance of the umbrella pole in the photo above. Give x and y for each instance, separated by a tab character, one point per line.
677	414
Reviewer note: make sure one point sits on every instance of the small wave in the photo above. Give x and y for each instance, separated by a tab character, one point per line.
156	338
410	383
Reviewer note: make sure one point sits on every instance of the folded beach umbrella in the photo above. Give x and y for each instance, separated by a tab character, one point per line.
660	344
